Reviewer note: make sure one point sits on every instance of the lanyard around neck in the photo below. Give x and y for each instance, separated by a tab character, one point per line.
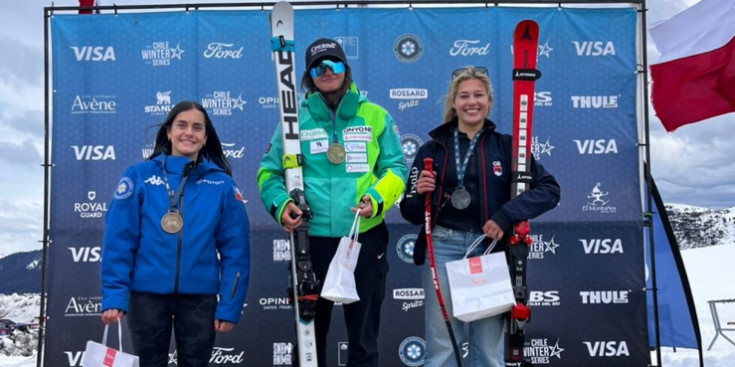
461	168
173	197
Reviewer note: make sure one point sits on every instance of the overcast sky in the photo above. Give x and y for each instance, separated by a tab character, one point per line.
691	166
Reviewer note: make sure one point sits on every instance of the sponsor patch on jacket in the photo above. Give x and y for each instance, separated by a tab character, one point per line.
125	188
238	195
355	146
497	168
318	146
358	133
357	167
314	134
356	158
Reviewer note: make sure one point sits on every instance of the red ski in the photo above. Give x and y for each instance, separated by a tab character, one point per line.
525	51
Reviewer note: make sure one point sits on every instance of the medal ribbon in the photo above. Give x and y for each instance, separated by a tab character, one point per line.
461	168
173	198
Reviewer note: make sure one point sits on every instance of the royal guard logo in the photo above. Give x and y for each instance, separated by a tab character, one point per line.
497	168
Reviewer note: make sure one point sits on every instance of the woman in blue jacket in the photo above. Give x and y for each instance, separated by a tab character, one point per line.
176	248
470	196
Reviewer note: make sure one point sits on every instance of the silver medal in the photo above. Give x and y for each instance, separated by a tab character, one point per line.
461	198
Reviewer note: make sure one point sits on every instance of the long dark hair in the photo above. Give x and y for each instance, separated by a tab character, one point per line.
211	150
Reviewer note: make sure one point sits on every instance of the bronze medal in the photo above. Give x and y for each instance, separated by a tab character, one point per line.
172	222
336	153
461	198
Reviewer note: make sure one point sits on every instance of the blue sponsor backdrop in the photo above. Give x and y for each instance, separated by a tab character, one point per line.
115	77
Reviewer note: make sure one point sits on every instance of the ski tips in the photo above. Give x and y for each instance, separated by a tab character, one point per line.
526	30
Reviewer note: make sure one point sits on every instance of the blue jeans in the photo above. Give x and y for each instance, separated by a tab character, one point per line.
486	337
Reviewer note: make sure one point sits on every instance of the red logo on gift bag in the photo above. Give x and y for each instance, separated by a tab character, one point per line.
109	357
475	265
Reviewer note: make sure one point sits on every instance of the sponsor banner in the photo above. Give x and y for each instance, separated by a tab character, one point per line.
112	89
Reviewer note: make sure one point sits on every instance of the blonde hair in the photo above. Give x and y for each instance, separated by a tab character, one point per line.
468	73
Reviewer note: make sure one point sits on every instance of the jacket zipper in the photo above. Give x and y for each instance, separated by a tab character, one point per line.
178	247
234	286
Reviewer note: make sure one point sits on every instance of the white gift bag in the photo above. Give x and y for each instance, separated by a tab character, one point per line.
480	286
339	284
100	355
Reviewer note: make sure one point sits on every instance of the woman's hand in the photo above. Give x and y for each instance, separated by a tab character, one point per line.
426	182
492	230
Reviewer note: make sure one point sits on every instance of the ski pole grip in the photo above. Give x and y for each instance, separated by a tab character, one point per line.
429	164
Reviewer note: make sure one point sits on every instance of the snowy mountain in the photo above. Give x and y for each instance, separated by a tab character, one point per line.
696	227
25	268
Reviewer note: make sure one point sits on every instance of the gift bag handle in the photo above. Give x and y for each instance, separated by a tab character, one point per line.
477	242
119	335
355	229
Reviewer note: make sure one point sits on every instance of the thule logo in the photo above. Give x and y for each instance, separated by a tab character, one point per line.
604	297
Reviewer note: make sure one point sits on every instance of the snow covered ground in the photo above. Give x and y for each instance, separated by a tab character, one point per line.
710	272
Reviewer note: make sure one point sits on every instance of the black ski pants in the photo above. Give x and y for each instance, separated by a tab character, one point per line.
151	318
362	318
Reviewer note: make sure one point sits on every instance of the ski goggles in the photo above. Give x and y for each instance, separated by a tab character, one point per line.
458	72
337	67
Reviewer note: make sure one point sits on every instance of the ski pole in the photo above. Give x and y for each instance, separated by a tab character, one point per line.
428	166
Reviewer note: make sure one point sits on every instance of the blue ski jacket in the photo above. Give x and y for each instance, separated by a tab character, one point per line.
209	256
494	159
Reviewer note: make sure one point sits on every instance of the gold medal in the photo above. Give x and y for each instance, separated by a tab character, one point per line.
335	153
172	222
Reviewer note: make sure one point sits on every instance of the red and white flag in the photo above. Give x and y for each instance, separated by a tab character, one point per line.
695	77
